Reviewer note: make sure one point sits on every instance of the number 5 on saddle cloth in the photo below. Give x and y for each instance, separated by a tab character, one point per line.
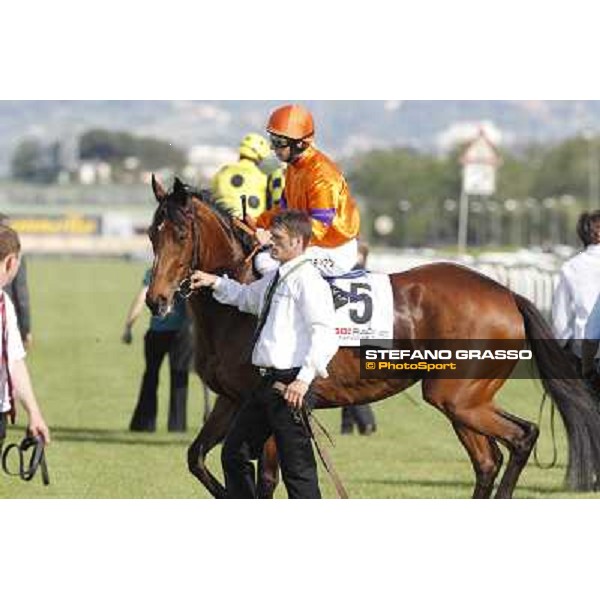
364	307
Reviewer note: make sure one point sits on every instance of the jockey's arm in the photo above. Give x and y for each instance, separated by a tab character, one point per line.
323	201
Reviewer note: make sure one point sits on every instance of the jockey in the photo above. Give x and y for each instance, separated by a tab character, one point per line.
245	178
313	184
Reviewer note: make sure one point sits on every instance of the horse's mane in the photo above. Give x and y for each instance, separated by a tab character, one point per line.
176	208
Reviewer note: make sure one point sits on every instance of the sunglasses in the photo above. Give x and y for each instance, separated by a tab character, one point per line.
279	141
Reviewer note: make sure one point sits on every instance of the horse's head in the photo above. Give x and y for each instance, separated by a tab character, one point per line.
175	244
188	232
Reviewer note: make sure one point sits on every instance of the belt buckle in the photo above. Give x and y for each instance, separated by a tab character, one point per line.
263	371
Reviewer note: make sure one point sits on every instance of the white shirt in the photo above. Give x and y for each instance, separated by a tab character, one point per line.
575	295
16	351
299	330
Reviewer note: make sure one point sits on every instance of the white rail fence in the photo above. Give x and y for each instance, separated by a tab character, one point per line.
533	275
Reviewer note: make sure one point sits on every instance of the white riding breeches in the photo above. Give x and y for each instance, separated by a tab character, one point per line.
330	261
334	261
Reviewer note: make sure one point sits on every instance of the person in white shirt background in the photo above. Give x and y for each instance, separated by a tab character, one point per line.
578	288
14	375
293	343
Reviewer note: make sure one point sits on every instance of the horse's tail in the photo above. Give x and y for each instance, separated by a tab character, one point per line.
575	404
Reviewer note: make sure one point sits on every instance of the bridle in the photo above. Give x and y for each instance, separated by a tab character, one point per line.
185	285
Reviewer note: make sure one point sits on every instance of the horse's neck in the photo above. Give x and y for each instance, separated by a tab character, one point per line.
221	251
220	329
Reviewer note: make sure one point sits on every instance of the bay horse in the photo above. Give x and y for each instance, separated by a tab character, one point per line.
441	301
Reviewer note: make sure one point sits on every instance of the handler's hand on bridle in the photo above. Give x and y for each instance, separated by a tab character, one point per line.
263	236
295	392
200	279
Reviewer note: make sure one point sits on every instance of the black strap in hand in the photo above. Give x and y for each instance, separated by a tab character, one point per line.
36	460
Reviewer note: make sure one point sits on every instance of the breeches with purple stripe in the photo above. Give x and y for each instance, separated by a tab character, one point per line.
334	261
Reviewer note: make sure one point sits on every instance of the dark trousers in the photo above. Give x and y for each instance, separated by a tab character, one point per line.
157	344
264	414
361	415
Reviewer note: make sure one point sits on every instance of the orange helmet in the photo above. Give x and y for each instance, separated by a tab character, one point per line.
291	121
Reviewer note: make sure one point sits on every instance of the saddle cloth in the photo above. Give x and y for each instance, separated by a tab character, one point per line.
369	312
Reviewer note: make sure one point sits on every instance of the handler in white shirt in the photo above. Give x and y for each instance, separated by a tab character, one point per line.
578	286
294	342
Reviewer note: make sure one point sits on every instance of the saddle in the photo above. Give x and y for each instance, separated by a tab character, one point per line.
364	306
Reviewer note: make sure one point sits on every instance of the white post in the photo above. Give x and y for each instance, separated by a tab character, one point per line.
463	222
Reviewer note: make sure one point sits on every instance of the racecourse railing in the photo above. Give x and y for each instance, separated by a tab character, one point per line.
535	278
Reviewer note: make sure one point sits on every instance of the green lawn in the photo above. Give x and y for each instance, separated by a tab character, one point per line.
87	382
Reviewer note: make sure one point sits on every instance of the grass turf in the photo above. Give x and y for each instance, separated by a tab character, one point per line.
87	382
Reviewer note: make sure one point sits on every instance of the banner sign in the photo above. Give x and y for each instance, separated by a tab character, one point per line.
71	224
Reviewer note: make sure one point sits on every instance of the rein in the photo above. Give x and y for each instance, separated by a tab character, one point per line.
252	233
324	456
553	460
36	460
309	421
185	286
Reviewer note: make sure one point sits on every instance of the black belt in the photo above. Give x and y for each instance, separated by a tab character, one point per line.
36	460
273	373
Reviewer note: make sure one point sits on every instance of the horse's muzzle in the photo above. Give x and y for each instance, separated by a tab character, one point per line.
159	307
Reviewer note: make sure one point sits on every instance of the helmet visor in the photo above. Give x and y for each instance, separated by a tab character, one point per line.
279	141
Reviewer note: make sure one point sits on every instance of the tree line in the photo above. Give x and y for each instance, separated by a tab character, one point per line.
39	162
533	171
420	191
540	189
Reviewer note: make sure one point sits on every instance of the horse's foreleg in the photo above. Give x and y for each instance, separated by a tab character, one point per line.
486	459
268	470
211	433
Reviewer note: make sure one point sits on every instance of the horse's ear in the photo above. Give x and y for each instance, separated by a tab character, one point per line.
178	187
159	191
180	193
